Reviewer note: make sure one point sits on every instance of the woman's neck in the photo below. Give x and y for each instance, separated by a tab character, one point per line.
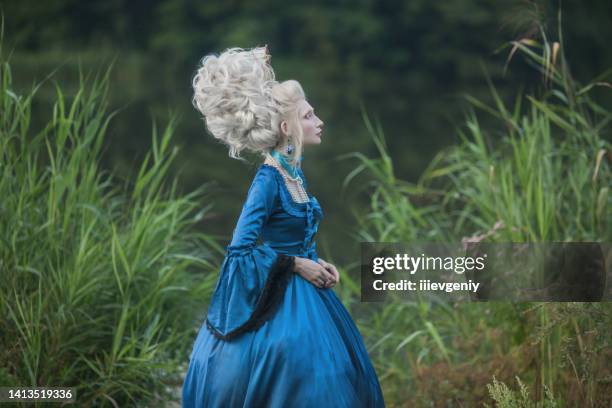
284	162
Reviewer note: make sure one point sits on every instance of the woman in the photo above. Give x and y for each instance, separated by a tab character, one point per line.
275	334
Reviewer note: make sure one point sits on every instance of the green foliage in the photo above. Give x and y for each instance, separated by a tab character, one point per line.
543	174
540	173
537	170
504	397
100	283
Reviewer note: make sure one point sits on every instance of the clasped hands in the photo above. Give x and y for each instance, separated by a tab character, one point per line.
321	274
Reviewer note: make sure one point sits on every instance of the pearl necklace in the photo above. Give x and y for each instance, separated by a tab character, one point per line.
294	185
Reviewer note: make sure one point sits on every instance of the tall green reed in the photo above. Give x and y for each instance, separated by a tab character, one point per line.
541	174
101	282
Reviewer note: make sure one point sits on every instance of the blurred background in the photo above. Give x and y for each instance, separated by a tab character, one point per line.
449	121
409	63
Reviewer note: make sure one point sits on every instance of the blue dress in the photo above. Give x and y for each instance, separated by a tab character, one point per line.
272	338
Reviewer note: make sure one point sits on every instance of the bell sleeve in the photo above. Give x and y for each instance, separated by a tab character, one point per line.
253	278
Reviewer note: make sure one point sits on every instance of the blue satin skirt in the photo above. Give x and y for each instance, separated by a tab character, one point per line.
309	354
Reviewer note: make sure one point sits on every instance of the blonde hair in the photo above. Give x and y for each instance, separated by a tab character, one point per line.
243	105
232	92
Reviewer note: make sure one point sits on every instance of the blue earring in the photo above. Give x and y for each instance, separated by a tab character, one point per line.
290	147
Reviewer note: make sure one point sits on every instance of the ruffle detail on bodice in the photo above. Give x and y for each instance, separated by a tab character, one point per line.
311	210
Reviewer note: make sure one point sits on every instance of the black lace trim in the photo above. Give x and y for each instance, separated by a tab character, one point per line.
270	298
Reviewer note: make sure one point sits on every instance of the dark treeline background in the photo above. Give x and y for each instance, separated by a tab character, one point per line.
407	62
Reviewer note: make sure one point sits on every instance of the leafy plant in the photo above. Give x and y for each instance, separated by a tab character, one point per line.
101	284
540	173
504	397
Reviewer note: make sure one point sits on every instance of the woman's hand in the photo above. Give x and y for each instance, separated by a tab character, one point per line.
332	269
314	272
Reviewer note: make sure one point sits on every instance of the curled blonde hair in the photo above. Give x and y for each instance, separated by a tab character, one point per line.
232	92
243	105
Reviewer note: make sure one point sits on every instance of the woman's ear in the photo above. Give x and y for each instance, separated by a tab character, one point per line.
284	127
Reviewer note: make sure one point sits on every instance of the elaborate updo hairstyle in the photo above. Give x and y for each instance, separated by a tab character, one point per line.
232	92
243	105
286	96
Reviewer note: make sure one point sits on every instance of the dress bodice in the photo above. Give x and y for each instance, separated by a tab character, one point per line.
292	226
289	227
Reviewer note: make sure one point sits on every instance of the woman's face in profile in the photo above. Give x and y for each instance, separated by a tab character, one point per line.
312	126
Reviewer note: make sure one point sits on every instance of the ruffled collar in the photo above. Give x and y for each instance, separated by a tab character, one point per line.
299	209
